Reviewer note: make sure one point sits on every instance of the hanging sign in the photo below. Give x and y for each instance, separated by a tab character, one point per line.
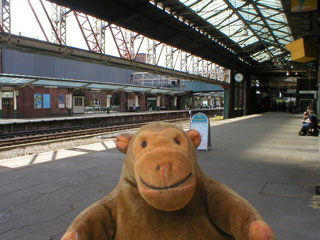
300	6
201	123
8	94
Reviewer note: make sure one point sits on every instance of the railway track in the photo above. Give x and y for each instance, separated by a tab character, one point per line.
12	140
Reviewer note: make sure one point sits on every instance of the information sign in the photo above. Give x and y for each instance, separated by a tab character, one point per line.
201	123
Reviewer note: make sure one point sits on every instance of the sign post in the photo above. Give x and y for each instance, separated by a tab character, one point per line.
201	123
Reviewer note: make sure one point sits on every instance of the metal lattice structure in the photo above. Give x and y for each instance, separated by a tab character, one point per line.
99	27
157	80
169	57
5	21
151	52
87	27
195	65
122	39
59	20
183	62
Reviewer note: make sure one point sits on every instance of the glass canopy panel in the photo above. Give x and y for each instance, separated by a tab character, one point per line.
104	86
137	89
160	91
254	14
237	3
7	80
177	92
58	83
270	3
269	12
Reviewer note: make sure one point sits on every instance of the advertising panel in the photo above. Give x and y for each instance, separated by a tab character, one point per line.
201	123
37	101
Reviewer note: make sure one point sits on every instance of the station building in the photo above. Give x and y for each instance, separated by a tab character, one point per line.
44	85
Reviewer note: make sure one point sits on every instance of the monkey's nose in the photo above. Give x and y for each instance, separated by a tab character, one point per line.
164	170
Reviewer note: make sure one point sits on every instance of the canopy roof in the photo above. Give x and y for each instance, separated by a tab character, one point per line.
19	81
259	27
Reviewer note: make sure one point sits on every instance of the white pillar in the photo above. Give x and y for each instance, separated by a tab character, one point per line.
175	100
69	103
0	104
158	102
15	103
108	103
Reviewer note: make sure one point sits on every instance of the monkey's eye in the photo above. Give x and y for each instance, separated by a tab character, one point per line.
144	144
177	141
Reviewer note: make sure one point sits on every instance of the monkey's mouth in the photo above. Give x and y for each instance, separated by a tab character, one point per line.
168	187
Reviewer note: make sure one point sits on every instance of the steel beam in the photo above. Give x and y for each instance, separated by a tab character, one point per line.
5	21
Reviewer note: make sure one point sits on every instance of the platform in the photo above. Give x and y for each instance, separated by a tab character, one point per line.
14	126
259	156
97	115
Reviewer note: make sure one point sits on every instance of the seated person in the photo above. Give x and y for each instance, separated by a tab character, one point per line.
310	122
305	117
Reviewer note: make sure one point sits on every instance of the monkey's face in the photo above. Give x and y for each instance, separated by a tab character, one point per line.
163	168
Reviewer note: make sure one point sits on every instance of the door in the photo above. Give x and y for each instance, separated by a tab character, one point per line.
152	102
7	107
78	104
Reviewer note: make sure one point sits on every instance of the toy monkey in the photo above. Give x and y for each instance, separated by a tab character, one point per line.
163	194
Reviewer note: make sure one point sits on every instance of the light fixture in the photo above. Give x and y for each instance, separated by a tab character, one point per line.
244	30
96	89
288	73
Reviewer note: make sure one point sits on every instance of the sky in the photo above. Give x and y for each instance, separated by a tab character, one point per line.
24	22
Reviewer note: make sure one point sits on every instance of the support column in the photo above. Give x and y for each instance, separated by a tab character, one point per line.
69	104
136	102
0	104
108	103
192	102
158	102
175	101
318	95
15	103
226	104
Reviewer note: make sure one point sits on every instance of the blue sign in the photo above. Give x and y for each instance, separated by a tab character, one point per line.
46	101
201	123
200	117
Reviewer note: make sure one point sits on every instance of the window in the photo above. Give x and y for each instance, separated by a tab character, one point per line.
96	102
78	102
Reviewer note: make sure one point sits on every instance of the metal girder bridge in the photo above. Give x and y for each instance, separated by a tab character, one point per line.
128	43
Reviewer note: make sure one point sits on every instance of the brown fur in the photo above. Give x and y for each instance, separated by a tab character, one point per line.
163	194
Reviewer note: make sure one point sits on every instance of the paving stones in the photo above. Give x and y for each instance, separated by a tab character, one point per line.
261	157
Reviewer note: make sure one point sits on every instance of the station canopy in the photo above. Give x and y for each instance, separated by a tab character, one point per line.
9	82
260	28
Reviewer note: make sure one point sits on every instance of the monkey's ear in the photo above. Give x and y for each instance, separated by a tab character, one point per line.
122	142
195	137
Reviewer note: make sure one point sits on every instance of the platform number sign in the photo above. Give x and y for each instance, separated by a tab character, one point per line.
201	123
